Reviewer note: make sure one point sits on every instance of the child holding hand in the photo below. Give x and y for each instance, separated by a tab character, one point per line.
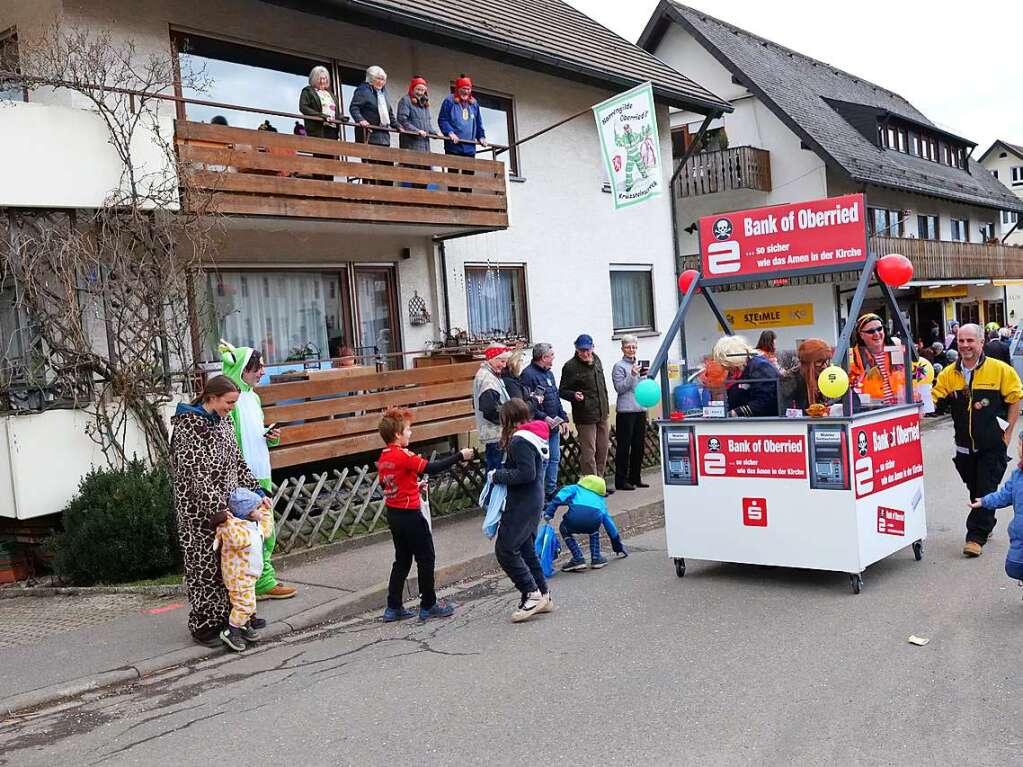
240	539
399	470
1011	492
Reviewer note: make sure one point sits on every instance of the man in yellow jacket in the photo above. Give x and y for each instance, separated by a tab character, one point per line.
983	395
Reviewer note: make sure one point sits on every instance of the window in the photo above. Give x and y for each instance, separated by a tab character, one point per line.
914	144
496	301
960	230
994	173
882	222
987	232
376	313
632	298
1009	217
994	311
927	227
679	142
1017	175
498	113
968	313
10	61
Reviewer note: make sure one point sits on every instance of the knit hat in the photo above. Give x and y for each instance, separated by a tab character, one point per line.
463	82
417	80
496	350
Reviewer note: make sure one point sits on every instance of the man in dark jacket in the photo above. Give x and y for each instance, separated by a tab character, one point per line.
997	348
371	106
538	379
582	384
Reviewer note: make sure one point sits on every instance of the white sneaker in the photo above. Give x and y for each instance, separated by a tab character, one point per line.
548	604
534	601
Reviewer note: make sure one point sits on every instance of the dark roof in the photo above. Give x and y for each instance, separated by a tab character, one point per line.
1016	149
545	35
798	89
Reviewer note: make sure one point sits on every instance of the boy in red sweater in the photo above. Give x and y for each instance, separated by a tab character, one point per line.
399	470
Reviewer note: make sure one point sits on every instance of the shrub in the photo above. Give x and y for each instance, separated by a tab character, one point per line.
120	527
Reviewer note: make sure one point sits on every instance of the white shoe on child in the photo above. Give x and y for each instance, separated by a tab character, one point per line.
548	604
529	607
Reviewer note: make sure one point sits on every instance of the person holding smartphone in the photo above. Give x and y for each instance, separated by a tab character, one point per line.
630	417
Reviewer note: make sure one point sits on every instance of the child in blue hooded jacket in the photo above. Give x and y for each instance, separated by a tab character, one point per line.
587	511
1010	492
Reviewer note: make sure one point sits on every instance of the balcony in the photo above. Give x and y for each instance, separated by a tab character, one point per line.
726	170
939	260
259	173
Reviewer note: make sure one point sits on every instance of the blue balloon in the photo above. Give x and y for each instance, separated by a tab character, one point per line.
648	393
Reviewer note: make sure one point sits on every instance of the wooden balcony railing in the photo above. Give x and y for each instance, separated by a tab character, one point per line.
725	170
939	260
275	174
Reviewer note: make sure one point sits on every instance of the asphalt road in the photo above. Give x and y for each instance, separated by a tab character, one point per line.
730	665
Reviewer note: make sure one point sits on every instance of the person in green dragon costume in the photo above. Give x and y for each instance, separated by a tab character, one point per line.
244	366
632	143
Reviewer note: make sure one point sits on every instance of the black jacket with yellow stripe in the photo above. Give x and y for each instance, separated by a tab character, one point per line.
975	410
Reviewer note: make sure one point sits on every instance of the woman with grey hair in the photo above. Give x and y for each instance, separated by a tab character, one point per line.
316	100
371	106
630	418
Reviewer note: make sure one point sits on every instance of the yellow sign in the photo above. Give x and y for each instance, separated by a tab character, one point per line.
781	316
944	291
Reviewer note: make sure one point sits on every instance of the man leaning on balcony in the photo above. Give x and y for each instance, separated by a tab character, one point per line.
460	120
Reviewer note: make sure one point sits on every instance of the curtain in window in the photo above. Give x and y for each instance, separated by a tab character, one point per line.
279	313
494	300
374	302
631	300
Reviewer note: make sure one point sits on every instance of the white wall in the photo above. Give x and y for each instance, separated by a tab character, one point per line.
1004	166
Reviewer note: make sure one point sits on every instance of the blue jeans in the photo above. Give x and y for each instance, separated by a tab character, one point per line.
550	468
568	536
493	456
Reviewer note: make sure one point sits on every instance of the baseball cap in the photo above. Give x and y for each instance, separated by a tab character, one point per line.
584	342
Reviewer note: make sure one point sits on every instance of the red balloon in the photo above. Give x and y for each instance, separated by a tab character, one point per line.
894	269
686	279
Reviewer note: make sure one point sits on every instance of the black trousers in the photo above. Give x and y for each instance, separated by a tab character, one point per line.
412	539
630	429
516	549
982	472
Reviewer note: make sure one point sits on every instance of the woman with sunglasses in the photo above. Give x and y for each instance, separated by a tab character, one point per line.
868	359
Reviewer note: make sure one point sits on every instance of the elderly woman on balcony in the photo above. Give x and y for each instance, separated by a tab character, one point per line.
316	100
371	106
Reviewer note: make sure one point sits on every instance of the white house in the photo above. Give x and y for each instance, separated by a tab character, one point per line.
541	255
1005	162
803	129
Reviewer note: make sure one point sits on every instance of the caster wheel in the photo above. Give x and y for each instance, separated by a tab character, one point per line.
680	567
918	550
856	582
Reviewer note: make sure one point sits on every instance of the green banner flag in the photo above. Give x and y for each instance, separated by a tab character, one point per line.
627	127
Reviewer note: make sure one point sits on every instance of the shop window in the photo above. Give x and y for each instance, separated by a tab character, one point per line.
968	313
498	113
927	227
10	61
252	77
496	301
632	298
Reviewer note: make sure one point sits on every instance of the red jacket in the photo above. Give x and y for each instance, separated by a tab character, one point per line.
399	470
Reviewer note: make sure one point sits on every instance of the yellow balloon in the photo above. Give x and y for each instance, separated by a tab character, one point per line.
928	369
833	382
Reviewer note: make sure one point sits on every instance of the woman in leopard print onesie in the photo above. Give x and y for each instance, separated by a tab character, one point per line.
207	466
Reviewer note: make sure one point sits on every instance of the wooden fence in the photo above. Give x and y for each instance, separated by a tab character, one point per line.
322	508
744	167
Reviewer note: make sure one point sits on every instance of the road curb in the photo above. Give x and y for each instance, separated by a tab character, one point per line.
629	522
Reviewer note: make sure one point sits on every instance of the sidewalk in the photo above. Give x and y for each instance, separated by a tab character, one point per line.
57	646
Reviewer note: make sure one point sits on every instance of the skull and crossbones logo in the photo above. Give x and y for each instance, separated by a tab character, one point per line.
722	228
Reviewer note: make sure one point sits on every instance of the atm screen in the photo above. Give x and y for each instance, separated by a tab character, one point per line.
678	446
828	457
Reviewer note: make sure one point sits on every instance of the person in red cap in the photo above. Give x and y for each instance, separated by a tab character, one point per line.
488	394
415	121
460	120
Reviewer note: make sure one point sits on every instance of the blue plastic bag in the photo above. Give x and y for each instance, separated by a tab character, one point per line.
492	499
547	548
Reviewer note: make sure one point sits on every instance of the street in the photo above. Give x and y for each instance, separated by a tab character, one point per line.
730	665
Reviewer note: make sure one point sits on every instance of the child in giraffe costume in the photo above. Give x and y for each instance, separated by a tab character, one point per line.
244	366
633	144
240	540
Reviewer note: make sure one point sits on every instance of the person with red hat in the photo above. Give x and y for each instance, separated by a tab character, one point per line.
460	120
488	394
414	117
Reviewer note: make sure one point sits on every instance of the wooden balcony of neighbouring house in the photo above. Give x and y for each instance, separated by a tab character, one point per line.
333	414
941	260
725	170
262	173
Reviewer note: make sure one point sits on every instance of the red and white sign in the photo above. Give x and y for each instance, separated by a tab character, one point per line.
886	453
891	521
753	455
767	243
754	512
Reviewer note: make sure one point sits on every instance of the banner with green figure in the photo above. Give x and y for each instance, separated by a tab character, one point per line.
627	127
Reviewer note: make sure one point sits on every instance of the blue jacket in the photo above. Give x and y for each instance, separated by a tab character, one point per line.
535	377
365	106
450	120
756	393
587	511
1010	493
